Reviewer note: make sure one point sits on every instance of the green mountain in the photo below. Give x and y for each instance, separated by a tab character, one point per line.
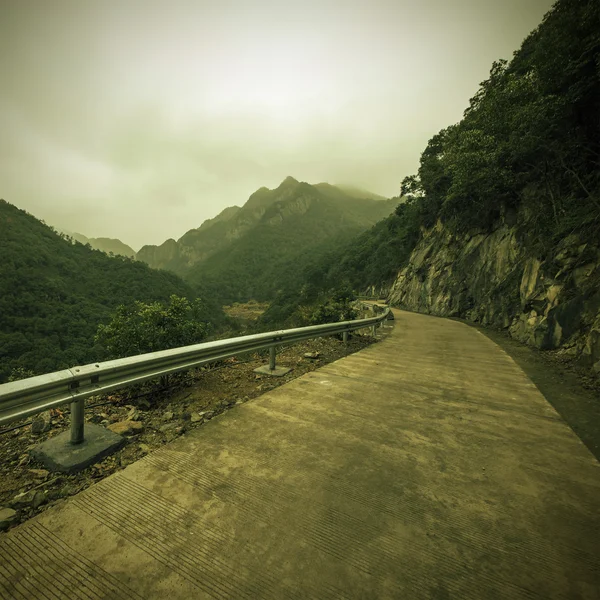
501	223
107	245
253	251
56	292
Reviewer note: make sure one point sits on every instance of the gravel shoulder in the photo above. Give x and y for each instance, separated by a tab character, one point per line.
149	418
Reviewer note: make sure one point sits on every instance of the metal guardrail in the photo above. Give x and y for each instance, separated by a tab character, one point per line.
19	399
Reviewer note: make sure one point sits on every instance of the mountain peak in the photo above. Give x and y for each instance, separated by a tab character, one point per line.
289	180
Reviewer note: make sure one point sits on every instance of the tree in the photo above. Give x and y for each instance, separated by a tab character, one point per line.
148	327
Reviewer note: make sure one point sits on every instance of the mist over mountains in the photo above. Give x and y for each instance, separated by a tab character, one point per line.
251	251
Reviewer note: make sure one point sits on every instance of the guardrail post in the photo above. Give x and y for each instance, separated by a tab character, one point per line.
345	337
77	412
374	330
272	368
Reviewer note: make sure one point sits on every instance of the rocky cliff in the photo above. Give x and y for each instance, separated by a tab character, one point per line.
493	279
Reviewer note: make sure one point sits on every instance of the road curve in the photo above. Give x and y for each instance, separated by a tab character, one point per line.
425	466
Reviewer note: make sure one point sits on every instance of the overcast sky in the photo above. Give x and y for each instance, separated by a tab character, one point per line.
140	119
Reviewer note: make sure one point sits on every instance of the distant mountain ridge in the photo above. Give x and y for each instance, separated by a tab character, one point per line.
107	245
354	208
249	251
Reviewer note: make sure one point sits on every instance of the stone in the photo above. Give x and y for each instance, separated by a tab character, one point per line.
133	414
41	423
58	454
581	274
172	430
312	355
39	473
38	499
167	427
196	418
126	427
144	448
529	280
552	293
168	416
7	517
22	499
68	490
33	498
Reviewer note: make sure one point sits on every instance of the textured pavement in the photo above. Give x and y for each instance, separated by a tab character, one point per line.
425	466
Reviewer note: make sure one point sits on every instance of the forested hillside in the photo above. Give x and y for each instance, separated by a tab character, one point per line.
54	294
260	248
503	216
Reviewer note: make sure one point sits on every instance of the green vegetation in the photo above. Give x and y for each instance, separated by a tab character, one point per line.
55	293
526	154
254	251
529	143
148	327
372	258
335	309
271	257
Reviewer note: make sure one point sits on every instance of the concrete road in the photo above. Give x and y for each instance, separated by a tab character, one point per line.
426	466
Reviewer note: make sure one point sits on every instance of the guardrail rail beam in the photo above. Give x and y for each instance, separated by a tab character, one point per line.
86	444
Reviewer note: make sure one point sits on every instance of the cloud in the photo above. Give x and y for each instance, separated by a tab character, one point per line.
139	120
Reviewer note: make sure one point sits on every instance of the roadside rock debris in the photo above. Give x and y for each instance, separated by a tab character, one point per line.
148	417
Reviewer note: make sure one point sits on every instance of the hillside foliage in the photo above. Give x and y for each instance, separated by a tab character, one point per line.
271	258
55	293
144	327
529	143
526	154
254	251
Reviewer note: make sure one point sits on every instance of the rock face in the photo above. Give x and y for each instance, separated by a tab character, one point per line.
494	280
